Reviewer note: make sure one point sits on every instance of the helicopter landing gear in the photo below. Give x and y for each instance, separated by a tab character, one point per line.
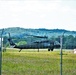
20	50
49	49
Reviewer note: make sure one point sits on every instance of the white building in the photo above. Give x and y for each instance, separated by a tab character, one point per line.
74	51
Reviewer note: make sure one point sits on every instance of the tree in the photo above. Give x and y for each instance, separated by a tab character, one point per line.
22	43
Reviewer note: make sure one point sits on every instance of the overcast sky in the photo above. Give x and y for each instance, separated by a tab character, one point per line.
50	14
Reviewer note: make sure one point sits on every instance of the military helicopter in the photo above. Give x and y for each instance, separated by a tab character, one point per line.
38	44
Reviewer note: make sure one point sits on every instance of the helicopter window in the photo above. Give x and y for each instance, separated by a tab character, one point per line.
46	44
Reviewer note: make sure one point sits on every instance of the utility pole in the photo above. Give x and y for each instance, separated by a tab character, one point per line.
61	38
61	52
1	52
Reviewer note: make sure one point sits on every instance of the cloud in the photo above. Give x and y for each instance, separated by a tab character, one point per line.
37	14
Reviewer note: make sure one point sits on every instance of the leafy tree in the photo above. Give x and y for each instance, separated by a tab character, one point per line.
22	43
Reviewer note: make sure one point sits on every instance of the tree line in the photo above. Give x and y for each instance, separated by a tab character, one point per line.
69	42
21	36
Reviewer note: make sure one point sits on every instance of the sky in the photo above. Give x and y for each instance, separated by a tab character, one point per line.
49	14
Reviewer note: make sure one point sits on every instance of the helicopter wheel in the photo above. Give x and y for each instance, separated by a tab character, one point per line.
49	49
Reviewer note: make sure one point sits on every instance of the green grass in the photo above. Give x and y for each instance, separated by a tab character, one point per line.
31	62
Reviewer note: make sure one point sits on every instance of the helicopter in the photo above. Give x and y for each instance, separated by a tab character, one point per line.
38	44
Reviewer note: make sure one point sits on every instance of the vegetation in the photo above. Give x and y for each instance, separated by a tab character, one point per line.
22	32
23	36
30	62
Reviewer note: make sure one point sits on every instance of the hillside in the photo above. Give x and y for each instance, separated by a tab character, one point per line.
23	36
22	32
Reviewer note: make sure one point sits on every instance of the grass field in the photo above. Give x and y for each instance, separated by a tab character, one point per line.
31	62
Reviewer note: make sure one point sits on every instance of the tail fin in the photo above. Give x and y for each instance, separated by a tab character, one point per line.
11	42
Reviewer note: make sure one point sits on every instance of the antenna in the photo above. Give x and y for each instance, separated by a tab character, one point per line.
1	51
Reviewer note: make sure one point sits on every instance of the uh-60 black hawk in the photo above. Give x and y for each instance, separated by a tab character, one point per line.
38	44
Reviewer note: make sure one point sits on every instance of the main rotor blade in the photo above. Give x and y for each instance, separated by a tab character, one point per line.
37	36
